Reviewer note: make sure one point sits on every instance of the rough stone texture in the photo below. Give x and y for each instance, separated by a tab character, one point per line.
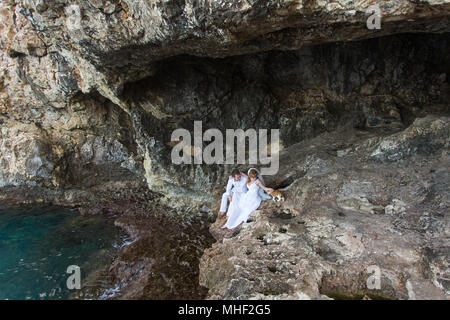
163	261
27	156
87	143
375	83
113	41
55	70
346	211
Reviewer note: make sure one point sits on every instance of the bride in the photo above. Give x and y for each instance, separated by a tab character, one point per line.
248	202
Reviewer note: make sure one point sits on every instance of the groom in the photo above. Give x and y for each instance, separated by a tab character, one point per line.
236	187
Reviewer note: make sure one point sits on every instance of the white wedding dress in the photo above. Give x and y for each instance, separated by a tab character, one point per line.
248	203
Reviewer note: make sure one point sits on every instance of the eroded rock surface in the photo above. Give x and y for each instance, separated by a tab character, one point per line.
346	212
112	41
59	58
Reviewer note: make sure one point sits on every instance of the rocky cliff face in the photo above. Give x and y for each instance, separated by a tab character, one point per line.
96	75
90	92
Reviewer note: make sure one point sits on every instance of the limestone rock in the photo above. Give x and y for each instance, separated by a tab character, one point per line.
26	157
121	39
58	57
330	246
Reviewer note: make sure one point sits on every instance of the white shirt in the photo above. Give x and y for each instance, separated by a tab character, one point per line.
236	186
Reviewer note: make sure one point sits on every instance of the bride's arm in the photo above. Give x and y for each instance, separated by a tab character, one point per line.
261	185
244	175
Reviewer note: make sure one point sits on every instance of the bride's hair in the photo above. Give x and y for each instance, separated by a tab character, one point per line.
253	174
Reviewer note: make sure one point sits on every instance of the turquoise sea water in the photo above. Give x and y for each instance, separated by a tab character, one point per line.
37	246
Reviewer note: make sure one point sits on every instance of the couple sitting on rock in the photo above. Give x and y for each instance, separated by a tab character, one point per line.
245	193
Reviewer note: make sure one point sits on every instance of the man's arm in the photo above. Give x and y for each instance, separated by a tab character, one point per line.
229	186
